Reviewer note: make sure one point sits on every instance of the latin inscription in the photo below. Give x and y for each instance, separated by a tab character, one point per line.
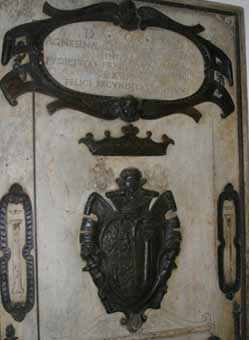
103	59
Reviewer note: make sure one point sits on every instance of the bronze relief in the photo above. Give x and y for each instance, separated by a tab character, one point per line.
25	43
131	246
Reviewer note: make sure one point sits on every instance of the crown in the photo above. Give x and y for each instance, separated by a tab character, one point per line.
127	145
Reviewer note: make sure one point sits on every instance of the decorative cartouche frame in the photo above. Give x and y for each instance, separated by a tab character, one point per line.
26	42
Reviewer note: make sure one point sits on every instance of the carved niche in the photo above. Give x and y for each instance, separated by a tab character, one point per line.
229	236
130	249
17	309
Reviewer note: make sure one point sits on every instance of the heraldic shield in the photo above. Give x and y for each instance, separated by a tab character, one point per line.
130	246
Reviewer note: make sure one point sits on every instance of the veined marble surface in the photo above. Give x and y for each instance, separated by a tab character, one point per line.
101	58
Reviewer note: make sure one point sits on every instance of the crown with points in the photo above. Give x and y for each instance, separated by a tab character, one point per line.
127	145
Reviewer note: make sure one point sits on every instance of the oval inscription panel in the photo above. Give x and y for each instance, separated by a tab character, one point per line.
103	59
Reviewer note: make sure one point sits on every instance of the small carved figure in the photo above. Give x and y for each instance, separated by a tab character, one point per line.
10	333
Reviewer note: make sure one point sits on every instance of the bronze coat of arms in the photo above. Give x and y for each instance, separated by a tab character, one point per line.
130	246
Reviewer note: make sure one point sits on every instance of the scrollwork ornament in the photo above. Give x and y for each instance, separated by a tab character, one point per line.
33	75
